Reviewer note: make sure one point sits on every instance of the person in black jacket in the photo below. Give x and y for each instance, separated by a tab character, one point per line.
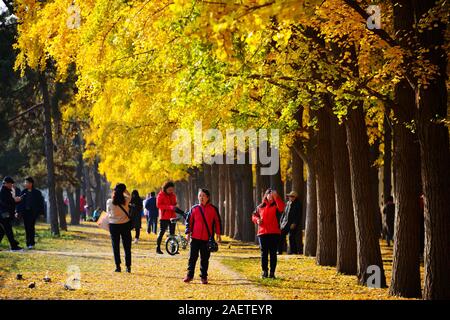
136	207
7	211
31	206
290	223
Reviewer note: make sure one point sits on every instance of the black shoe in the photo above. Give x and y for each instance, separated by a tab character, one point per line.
16	248
264	275
129	269
118	269
158	251
272	275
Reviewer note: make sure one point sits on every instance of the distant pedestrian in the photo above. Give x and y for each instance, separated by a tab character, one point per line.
267	217
83	208
7	212
388	220
152	213
135	212
290	223
31	206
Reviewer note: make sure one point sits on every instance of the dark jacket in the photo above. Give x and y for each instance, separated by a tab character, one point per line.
135	210
292	215
196	225
7	202
150	205
32	202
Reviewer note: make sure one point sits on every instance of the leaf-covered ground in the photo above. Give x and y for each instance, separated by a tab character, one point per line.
233	274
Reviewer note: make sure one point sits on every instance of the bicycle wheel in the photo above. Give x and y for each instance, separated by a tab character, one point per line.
172	246
183	243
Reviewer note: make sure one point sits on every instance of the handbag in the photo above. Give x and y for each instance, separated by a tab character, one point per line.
212	244
103	221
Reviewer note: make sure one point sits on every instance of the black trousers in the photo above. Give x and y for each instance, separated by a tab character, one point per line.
6	229
123	231
269	246
152	223
29	222
198	246
295	241
163	227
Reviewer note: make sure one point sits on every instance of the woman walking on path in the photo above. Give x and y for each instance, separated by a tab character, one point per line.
136	207
267	217
202	222
120	224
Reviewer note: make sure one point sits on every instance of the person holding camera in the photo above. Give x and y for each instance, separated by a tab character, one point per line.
120	224
267	217
7	211
202	222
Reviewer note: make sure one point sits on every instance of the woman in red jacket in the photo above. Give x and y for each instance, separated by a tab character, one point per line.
198	232
166	201
267	216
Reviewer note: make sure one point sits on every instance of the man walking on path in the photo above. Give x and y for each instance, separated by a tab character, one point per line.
152	213
388	220
31	206
290	223
7	210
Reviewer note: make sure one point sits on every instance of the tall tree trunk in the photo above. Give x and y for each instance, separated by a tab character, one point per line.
222	192
72	208
207	175
61	208
406	265
326	213
431	107
374	181
346	238
387	166
238	209
298	185
247	202
49	155
364	206
232	206
275	180
311	212
215	183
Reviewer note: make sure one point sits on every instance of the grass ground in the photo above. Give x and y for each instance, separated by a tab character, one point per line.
233	274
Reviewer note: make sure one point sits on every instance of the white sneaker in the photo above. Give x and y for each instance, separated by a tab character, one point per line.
30	247
136	241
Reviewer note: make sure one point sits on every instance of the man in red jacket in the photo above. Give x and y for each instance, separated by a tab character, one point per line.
166	201
199	233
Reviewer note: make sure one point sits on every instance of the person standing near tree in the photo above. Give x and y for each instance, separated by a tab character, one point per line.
135	212
166	202
83	208
267	217
7	211
290	223
388	219
152	213
202	222
31	206
120	224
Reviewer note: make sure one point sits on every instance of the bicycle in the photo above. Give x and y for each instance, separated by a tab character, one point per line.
173	242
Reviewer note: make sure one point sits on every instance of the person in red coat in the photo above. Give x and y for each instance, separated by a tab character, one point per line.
166	202
198	233
267	217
